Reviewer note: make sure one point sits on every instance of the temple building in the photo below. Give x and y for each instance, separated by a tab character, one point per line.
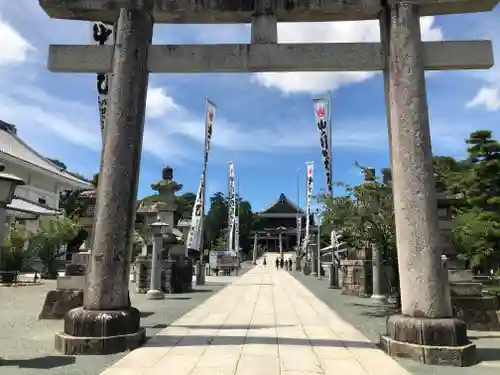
44	180
280	217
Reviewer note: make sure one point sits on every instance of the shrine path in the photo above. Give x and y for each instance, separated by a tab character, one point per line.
265	322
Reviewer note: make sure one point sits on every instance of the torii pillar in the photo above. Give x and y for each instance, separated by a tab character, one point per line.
426	329
107	323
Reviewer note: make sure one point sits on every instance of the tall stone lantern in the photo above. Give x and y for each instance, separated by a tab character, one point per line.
166	189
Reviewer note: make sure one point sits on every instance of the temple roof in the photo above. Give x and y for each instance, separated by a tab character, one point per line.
14	148
282	205
26	206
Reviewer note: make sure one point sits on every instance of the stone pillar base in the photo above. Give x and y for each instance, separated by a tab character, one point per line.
200	274
100	332
155	294
438	341
378	299
59	302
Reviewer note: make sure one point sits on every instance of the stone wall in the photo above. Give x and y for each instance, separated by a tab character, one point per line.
356	277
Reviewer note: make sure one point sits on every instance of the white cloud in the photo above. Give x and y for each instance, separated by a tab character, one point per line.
34	110
15	48
331	32
158	102
487	97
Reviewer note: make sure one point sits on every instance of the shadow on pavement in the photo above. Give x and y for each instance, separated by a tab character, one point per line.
376	311
488	354
47	362
178	298
171	340
202	291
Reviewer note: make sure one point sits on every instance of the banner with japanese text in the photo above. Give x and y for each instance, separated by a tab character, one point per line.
237	233
195	235
232	207
322	117
299	230
310	173
103	34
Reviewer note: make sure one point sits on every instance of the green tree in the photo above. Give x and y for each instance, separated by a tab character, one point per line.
59	163
215	221
247	224
365	216
71	203
185	203
448	173
476	231
47	243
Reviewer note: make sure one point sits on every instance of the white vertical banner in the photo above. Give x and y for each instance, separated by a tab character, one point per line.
231	208
299	230
103	34
237	234
322	117
196	218
310	173
195	235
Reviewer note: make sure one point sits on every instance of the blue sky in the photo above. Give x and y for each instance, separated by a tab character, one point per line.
264	123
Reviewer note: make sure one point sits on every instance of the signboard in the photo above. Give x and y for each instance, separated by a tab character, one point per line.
220	259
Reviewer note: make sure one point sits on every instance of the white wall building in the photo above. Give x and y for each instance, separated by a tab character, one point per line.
44	180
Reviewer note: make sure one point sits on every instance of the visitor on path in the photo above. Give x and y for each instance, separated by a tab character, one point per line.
282	263
290	264
277	263
286	264
264	262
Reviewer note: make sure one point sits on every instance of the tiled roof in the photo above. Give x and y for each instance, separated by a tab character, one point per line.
282	205
13	146
25	206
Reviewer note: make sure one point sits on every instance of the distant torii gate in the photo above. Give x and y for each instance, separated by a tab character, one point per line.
425	329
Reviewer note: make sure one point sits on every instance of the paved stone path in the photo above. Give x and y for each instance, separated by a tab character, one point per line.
27	344
265	322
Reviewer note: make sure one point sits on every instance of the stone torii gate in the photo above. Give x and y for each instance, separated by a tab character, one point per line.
425	330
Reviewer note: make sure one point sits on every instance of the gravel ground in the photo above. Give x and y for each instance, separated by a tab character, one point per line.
370	320
27	344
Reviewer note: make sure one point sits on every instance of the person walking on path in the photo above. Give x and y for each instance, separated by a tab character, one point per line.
290	264
286	264
282	263
277	263
264	262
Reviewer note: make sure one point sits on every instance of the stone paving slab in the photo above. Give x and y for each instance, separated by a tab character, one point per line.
265	322
27	344
370	319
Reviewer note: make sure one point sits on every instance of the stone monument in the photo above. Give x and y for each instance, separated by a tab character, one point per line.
173	269
426	329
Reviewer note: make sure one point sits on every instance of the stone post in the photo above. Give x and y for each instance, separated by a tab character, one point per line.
106	318
331	276
377	293
199	273
425	330
255	239
318	253
314	260
154	291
